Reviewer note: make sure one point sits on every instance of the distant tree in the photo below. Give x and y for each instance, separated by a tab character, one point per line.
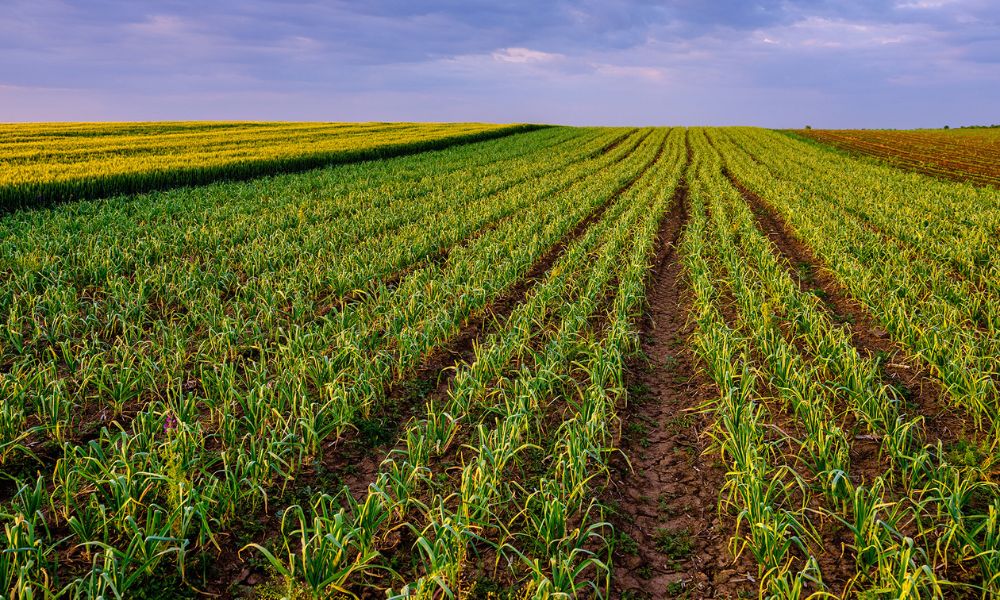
947	127
809	126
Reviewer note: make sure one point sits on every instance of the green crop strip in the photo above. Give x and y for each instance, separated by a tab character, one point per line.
42	163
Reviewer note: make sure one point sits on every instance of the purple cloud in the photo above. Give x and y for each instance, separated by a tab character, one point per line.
774	63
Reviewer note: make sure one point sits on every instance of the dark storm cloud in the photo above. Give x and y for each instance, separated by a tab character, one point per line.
771	62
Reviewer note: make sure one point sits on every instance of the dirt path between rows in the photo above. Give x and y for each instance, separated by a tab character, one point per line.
671	541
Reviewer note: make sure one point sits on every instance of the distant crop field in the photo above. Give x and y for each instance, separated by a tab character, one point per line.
63	161
965	154
564	362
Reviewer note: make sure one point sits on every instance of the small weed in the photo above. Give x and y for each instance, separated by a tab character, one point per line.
533	461
805	271
677	589
441	478
664	508
638	393
679	423
626	544
966	453
420	387
675	543
635	428
376	432
612	507
488	589
637	433
844	318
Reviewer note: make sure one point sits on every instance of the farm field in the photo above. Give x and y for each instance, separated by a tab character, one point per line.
59	161
964	154
595	362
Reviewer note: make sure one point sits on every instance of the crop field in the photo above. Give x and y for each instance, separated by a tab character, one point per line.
964	154
59	161
558	362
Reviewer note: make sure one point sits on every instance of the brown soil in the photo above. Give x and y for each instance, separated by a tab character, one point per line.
904	372
666	502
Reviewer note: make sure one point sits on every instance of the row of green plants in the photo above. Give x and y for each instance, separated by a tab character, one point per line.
943	221
764	496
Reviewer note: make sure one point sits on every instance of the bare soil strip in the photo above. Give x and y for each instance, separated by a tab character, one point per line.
670	538
904	372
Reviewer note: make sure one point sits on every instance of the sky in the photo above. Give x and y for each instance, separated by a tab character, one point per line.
792	63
